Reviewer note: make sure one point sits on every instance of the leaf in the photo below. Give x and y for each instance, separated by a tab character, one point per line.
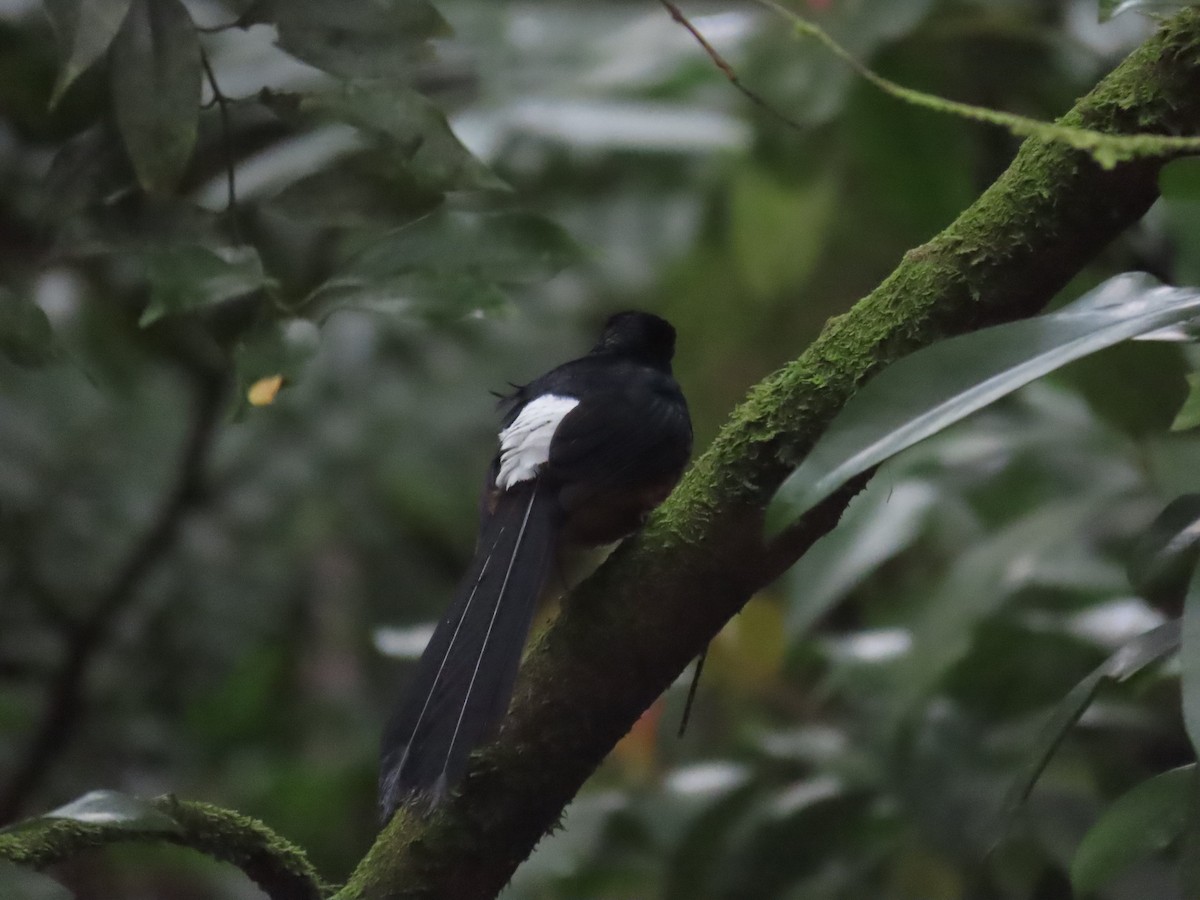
115	809
26	337
1190	658
1142	821
1189	414
979	583
429	296
448	263
939	385
85	28
156	73
264	391
87	168
1162	561
189	277
877	526
413	131
505	248
1144	650
354	38
278	350
357	192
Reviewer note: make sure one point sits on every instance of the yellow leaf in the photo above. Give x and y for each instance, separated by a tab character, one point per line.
263	391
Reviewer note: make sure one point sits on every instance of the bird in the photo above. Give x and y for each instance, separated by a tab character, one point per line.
585	452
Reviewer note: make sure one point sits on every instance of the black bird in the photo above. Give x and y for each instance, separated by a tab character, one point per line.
586	452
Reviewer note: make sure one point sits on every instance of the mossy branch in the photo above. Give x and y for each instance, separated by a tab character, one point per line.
275	864
629	631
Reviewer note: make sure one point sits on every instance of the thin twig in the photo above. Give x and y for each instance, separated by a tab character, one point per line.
231	207
66	692
727	70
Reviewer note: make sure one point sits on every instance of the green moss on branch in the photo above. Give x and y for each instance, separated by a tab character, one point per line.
275	864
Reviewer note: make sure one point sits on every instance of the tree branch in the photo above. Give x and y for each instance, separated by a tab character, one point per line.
65	693
627	633
275	864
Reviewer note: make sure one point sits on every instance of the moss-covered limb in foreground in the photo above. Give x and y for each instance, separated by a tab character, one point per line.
628	632
276	865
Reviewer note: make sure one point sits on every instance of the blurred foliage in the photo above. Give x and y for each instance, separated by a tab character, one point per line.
430	202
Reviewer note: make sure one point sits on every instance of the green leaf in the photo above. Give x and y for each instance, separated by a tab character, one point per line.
448	263
156	74
413	131
355	194
1144	650
980	582
85	28
505	248
190	277
354	38
939	385
1188	416
1165	556
1190	657
116	810
432	296
1143	821
877	526
26	337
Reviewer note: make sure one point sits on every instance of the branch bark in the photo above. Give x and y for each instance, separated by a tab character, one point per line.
275	864
628	632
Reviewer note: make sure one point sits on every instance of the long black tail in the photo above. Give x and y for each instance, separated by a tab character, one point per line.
465	678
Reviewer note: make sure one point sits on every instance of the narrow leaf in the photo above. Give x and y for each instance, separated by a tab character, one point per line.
85	28
939	385
1144	650
114	809
1143	821
156	74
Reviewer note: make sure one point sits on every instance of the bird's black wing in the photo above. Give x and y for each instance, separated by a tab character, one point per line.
623	437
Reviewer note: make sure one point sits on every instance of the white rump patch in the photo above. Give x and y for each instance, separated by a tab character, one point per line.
525	444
